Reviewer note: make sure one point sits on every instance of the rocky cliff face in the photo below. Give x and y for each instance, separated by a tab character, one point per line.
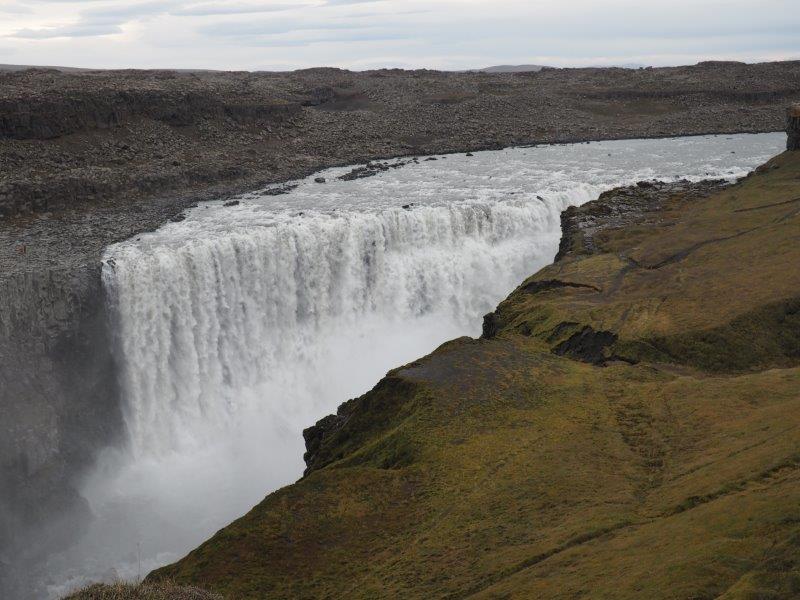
793	127
59	404
48	117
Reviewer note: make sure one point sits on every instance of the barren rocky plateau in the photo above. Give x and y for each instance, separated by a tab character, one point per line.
91	157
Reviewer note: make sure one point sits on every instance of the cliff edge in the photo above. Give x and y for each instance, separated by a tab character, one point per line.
626	427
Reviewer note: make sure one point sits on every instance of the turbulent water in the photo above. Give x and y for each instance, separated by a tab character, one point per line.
241	325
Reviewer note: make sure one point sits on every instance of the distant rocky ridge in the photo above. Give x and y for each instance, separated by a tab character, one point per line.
514	69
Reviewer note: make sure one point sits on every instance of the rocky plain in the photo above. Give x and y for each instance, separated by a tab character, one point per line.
88	158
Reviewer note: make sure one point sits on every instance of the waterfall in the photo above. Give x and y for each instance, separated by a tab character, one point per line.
242	324
201	321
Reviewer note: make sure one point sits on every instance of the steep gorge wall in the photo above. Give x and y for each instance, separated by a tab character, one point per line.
52	116
59	403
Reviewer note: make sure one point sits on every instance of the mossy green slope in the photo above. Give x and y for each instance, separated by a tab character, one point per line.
510	467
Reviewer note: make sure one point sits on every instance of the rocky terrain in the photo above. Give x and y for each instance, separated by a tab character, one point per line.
88	158
625	428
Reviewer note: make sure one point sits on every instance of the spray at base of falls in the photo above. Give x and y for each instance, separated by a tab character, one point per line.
240	326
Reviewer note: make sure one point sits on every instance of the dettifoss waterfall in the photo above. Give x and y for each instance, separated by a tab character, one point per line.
241	325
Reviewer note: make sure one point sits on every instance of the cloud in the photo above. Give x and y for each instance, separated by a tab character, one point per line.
122	13
232	8
348	37
15	8
274	27
453	34
343	2
101	21
77	30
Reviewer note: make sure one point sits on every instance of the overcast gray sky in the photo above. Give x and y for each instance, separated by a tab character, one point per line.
363	34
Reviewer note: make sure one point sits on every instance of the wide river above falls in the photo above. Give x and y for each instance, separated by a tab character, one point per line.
244	323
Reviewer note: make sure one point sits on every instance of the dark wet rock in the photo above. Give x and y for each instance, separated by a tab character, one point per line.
319	180
534	287
491	326
60	403
277	191
333	436
587	345
232	203
372	168
317	433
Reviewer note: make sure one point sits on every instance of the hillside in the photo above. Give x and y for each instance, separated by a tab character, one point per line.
625	428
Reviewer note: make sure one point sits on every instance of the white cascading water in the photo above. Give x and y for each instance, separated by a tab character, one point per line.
241	325
218	322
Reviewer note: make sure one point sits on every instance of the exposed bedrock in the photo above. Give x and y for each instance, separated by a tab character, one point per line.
53	116
793	128
73	139
59	405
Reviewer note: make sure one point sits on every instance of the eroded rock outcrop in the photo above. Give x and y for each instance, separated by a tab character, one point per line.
793	127
55	115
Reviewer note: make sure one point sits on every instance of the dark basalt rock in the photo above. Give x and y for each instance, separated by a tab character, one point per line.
534	287
587	345
793	128
280	190
491	326
316	434
334	436
373	168
60	403
56	116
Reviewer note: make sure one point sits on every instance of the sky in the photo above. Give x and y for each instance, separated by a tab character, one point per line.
367	34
